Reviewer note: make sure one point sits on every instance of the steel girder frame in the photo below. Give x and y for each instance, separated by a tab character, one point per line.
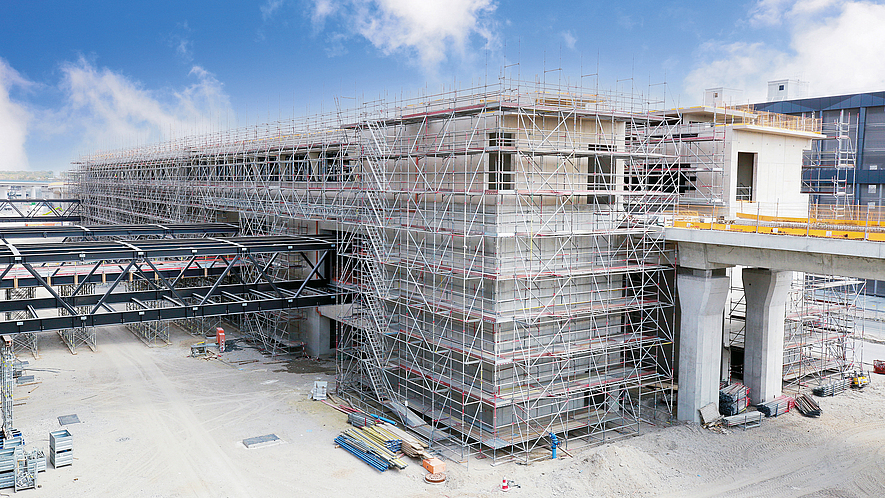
97	232
262	292
59	210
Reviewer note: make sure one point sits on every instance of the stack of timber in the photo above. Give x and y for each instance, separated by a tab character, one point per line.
833	388
807	406
412	446
733	399
777	406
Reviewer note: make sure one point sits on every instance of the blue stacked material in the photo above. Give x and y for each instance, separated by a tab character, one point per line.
361	451
395	445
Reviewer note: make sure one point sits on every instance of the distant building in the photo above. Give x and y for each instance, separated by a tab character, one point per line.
849	166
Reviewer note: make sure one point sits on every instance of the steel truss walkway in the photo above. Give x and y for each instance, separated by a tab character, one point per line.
237	273
106	231
48	210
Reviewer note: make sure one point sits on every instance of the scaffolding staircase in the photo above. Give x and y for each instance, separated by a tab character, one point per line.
844	163
375	282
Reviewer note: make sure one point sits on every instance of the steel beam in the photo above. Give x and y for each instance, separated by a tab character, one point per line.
247	305
60	210
64	252
130	231
129	259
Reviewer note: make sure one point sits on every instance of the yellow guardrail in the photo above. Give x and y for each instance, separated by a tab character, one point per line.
803	232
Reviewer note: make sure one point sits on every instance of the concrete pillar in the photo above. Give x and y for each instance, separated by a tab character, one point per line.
766	293
702	295
317	334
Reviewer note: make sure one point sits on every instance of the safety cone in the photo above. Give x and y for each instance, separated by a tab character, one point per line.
505	486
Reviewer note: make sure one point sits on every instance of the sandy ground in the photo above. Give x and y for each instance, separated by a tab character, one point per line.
156	423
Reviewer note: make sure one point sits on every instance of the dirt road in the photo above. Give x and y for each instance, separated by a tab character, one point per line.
156	423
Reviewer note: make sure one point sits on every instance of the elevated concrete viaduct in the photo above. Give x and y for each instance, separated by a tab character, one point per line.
769	260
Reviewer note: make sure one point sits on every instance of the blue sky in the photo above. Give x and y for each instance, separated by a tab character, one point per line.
103	75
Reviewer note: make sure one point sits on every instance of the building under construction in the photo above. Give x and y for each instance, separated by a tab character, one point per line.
503	242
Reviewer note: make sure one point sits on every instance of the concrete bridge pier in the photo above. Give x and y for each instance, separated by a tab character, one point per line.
766	294
702	295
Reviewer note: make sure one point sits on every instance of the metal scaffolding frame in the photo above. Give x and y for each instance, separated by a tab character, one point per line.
509	282
824	318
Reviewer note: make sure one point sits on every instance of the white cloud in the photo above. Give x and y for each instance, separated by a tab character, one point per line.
269	8
768	12
14	120
429	30
569	39
183	46
835	46
107	109
322	9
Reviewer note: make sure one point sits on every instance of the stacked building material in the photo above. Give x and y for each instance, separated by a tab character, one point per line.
61	448
777	406
362	451
833	388
807	406
26	468
733	399
384	437
358	419
372	445
746	419
7	467
15	439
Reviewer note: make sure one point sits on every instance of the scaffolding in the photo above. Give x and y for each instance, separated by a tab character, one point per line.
831	164
511	282
26	341
823	322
